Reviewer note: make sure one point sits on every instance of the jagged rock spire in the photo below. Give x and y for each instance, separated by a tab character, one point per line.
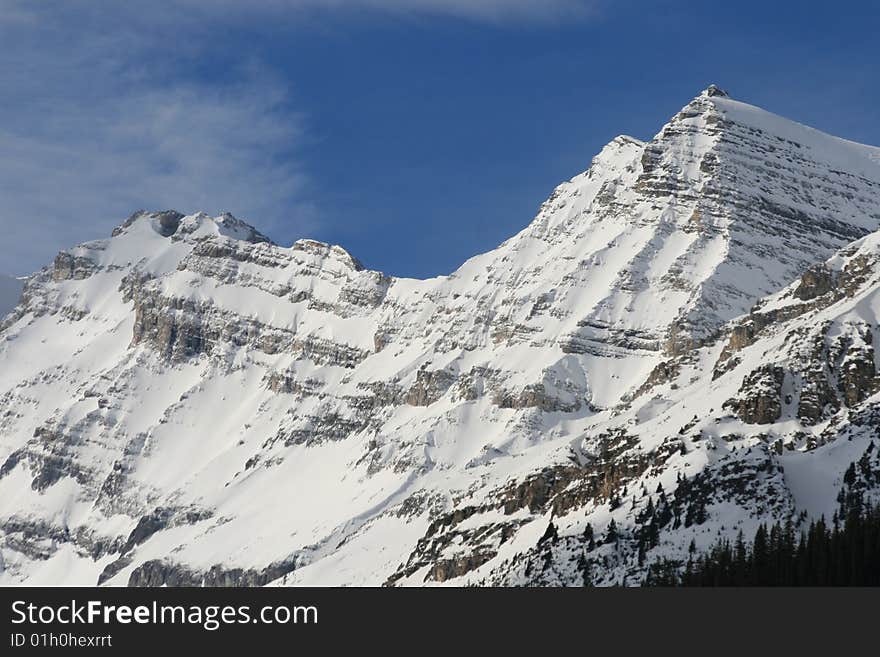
715	91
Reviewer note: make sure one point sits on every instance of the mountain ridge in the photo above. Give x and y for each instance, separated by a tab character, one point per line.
189	403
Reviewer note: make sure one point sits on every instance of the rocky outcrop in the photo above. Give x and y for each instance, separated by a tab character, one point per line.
155	573
533	396
70	267
167	221
760	396
429	386
40	540
854	361
181	329
815	282
161	518
663	372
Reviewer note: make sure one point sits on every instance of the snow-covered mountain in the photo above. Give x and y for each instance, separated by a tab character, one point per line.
188	403
10	292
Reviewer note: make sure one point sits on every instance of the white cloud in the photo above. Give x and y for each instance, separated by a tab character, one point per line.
96	119
495	11
96	123
183	147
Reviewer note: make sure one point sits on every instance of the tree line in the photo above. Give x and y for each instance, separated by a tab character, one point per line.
843	553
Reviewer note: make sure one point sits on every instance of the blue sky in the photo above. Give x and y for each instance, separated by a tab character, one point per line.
415	133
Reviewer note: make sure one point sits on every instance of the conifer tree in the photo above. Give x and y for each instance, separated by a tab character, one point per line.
611	533
551	534
845	554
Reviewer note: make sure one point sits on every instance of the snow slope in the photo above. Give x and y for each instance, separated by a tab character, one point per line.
188	403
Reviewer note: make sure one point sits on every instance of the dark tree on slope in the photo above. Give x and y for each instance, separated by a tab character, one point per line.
611	533
845	554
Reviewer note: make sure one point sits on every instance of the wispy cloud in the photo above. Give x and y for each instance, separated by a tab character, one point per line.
98	118
96	121
494	11
184	146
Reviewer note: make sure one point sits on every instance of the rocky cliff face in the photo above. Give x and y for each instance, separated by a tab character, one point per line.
667	345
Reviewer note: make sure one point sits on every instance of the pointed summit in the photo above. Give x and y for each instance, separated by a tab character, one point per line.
714	91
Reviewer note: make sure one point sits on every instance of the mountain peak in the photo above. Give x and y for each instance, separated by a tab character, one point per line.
714	91
165	222
170	223
661	324
323	250
232	226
